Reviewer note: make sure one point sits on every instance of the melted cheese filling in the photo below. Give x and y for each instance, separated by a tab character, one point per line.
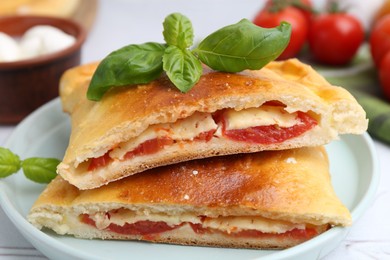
191	127
185	129
263	116
225	224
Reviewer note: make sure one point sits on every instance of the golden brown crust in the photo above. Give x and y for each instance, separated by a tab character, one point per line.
125	112
290	185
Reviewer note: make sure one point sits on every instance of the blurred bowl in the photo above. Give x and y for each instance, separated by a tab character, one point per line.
27	84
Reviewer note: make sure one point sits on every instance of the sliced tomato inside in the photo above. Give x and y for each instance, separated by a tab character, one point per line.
99	162
259	135
295	233
143	228
270	134
149	228
149	147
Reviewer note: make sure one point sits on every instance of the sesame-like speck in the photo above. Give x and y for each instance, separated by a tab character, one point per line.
248	83
195	172
186	197
291	160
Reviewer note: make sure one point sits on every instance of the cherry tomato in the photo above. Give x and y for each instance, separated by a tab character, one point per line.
304	6
384	74
268	19
380	39
334	38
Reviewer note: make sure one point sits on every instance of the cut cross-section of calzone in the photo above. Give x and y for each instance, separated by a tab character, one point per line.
271	199
284	105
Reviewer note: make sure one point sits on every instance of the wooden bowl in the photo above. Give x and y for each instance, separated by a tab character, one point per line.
27	84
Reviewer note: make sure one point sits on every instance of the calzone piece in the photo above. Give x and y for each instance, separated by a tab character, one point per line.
284	105
271	199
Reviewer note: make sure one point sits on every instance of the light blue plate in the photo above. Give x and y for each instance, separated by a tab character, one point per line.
45	133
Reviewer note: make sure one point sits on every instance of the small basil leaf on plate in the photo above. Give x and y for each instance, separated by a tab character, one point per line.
182	67
41	170
178	31
9	162
243	45
132	64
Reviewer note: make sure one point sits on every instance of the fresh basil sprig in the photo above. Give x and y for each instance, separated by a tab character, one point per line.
243	45
178	31
41	170
132	64
182	67
230	49
9	162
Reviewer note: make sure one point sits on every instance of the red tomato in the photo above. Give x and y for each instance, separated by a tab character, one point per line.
380	39
144	227
149	147
99	162
266	134
268	19
384	74
271	134
304	6
334	38
294	233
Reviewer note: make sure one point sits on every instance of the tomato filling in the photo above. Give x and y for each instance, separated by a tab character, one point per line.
148	147
149	228
251	233
269	134
143	228
99	162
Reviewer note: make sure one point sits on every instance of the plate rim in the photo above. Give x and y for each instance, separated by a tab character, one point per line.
35	236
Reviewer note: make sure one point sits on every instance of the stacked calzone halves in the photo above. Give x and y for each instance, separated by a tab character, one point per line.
238	161
272	199
282	106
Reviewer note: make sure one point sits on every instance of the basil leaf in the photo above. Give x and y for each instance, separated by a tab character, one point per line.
182	67
178	31
132	64
41	170
9	162
243	46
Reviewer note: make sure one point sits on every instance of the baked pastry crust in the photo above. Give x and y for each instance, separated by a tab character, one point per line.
126	112
293	186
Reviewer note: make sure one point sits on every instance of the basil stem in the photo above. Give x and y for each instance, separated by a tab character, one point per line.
243	46
178	31
182	67
9	162
132	64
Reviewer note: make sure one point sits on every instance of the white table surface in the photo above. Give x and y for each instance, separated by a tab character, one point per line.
122	22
